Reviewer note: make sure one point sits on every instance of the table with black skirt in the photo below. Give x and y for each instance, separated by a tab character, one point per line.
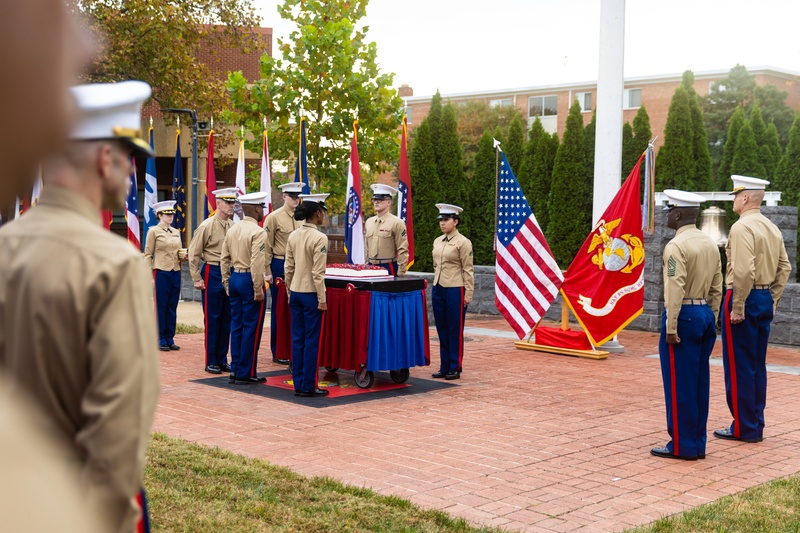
375	325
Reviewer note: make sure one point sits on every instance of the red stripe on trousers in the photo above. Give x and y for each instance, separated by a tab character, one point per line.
731	365
258	337
205	309
673	380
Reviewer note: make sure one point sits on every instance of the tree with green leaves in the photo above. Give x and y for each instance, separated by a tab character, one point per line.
675	163
641	137
450	160
525	173
328	71
435	121
723	176
162	42
567	227
474	119
773	144
766	154
543	161
515	146
629	155
481	212
745	158
700	154
426	192
588	183
787	174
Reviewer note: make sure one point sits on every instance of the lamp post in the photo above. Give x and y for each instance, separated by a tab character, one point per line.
193	127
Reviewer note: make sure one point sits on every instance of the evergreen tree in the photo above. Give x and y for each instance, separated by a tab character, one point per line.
723	176
641	138
481	209
766	156
674	161
435	122
588	183
629	155
787	174
525	175
450	161
543	160
700	154
775	152
426	193
567	227
500	136
515	145
745	158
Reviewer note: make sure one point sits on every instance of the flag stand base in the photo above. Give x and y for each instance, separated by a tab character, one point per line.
563	336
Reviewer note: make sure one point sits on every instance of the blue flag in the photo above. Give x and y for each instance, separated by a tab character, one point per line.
150	192
179	191
301	165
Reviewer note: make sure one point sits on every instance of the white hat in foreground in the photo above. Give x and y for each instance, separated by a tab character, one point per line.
253	198
112	111
746	183
229	194
167	207
318	198
678	198
382	192
448	210
293	187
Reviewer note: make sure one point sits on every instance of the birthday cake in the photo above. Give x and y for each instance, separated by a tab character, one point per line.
346	270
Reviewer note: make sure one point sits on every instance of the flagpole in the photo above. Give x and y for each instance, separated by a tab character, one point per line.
496	189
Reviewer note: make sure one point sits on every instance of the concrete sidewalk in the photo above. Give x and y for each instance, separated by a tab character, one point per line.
525	440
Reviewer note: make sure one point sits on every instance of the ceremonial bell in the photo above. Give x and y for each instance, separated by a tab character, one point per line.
712	223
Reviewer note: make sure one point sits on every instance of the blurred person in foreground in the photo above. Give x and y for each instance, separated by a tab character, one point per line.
77	331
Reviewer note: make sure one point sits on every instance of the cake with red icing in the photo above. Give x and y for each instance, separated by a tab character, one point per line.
347	270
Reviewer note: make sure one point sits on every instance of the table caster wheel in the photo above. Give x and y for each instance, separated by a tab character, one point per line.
399	376
364	378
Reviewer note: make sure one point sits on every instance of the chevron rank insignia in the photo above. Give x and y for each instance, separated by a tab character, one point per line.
671	264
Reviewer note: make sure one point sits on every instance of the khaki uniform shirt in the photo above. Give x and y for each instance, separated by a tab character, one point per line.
77	330
306	256
244	249
385	238
756	256
692	269
280	223
206	245
161	247
452	263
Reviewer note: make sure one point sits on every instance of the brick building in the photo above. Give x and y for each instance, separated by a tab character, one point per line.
551	102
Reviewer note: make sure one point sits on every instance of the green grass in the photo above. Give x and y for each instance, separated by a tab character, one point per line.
197	488
187	328
773	507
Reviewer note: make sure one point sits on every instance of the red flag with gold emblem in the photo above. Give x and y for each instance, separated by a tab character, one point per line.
604	285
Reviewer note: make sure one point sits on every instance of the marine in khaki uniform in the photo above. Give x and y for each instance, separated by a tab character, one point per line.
306	257
757	271
692	294
385	238
242	264
161	252
78	332
205	251
453	283
279	224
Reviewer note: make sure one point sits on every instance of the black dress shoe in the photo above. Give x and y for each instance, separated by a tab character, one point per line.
314	393
438	375
452	375
247	381
163	348
663	452
225	367
282	361
174	347
213	369
727	434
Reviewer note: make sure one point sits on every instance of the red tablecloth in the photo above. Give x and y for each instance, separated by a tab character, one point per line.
283	348
345	329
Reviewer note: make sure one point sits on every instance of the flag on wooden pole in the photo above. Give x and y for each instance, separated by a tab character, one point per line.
266	178
211	179
132	209
404	193
354	224
150	190
238	214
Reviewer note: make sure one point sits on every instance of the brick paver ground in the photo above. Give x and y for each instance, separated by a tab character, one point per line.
525	440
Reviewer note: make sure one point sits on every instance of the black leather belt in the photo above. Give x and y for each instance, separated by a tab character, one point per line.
761	286
694	301
381	261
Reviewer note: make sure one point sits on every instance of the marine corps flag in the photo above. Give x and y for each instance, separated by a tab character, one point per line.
604	285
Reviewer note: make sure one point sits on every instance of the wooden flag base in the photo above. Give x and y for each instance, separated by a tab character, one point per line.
560	350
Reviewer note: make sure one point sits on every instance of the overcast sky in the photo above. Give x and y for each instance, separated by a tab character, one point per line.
464	46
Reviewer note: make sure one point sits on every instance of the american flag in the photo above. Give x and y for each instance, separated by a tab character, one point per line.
404	196
211	179
150	190
528	277
132	210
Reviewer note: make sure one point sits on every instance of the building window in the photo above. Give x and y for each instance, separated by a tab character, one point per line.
542	106
409	114
585	101
632	99
501	102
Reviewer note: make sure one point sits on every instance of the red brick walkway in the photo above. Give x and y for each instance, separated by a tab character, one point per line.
526	441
